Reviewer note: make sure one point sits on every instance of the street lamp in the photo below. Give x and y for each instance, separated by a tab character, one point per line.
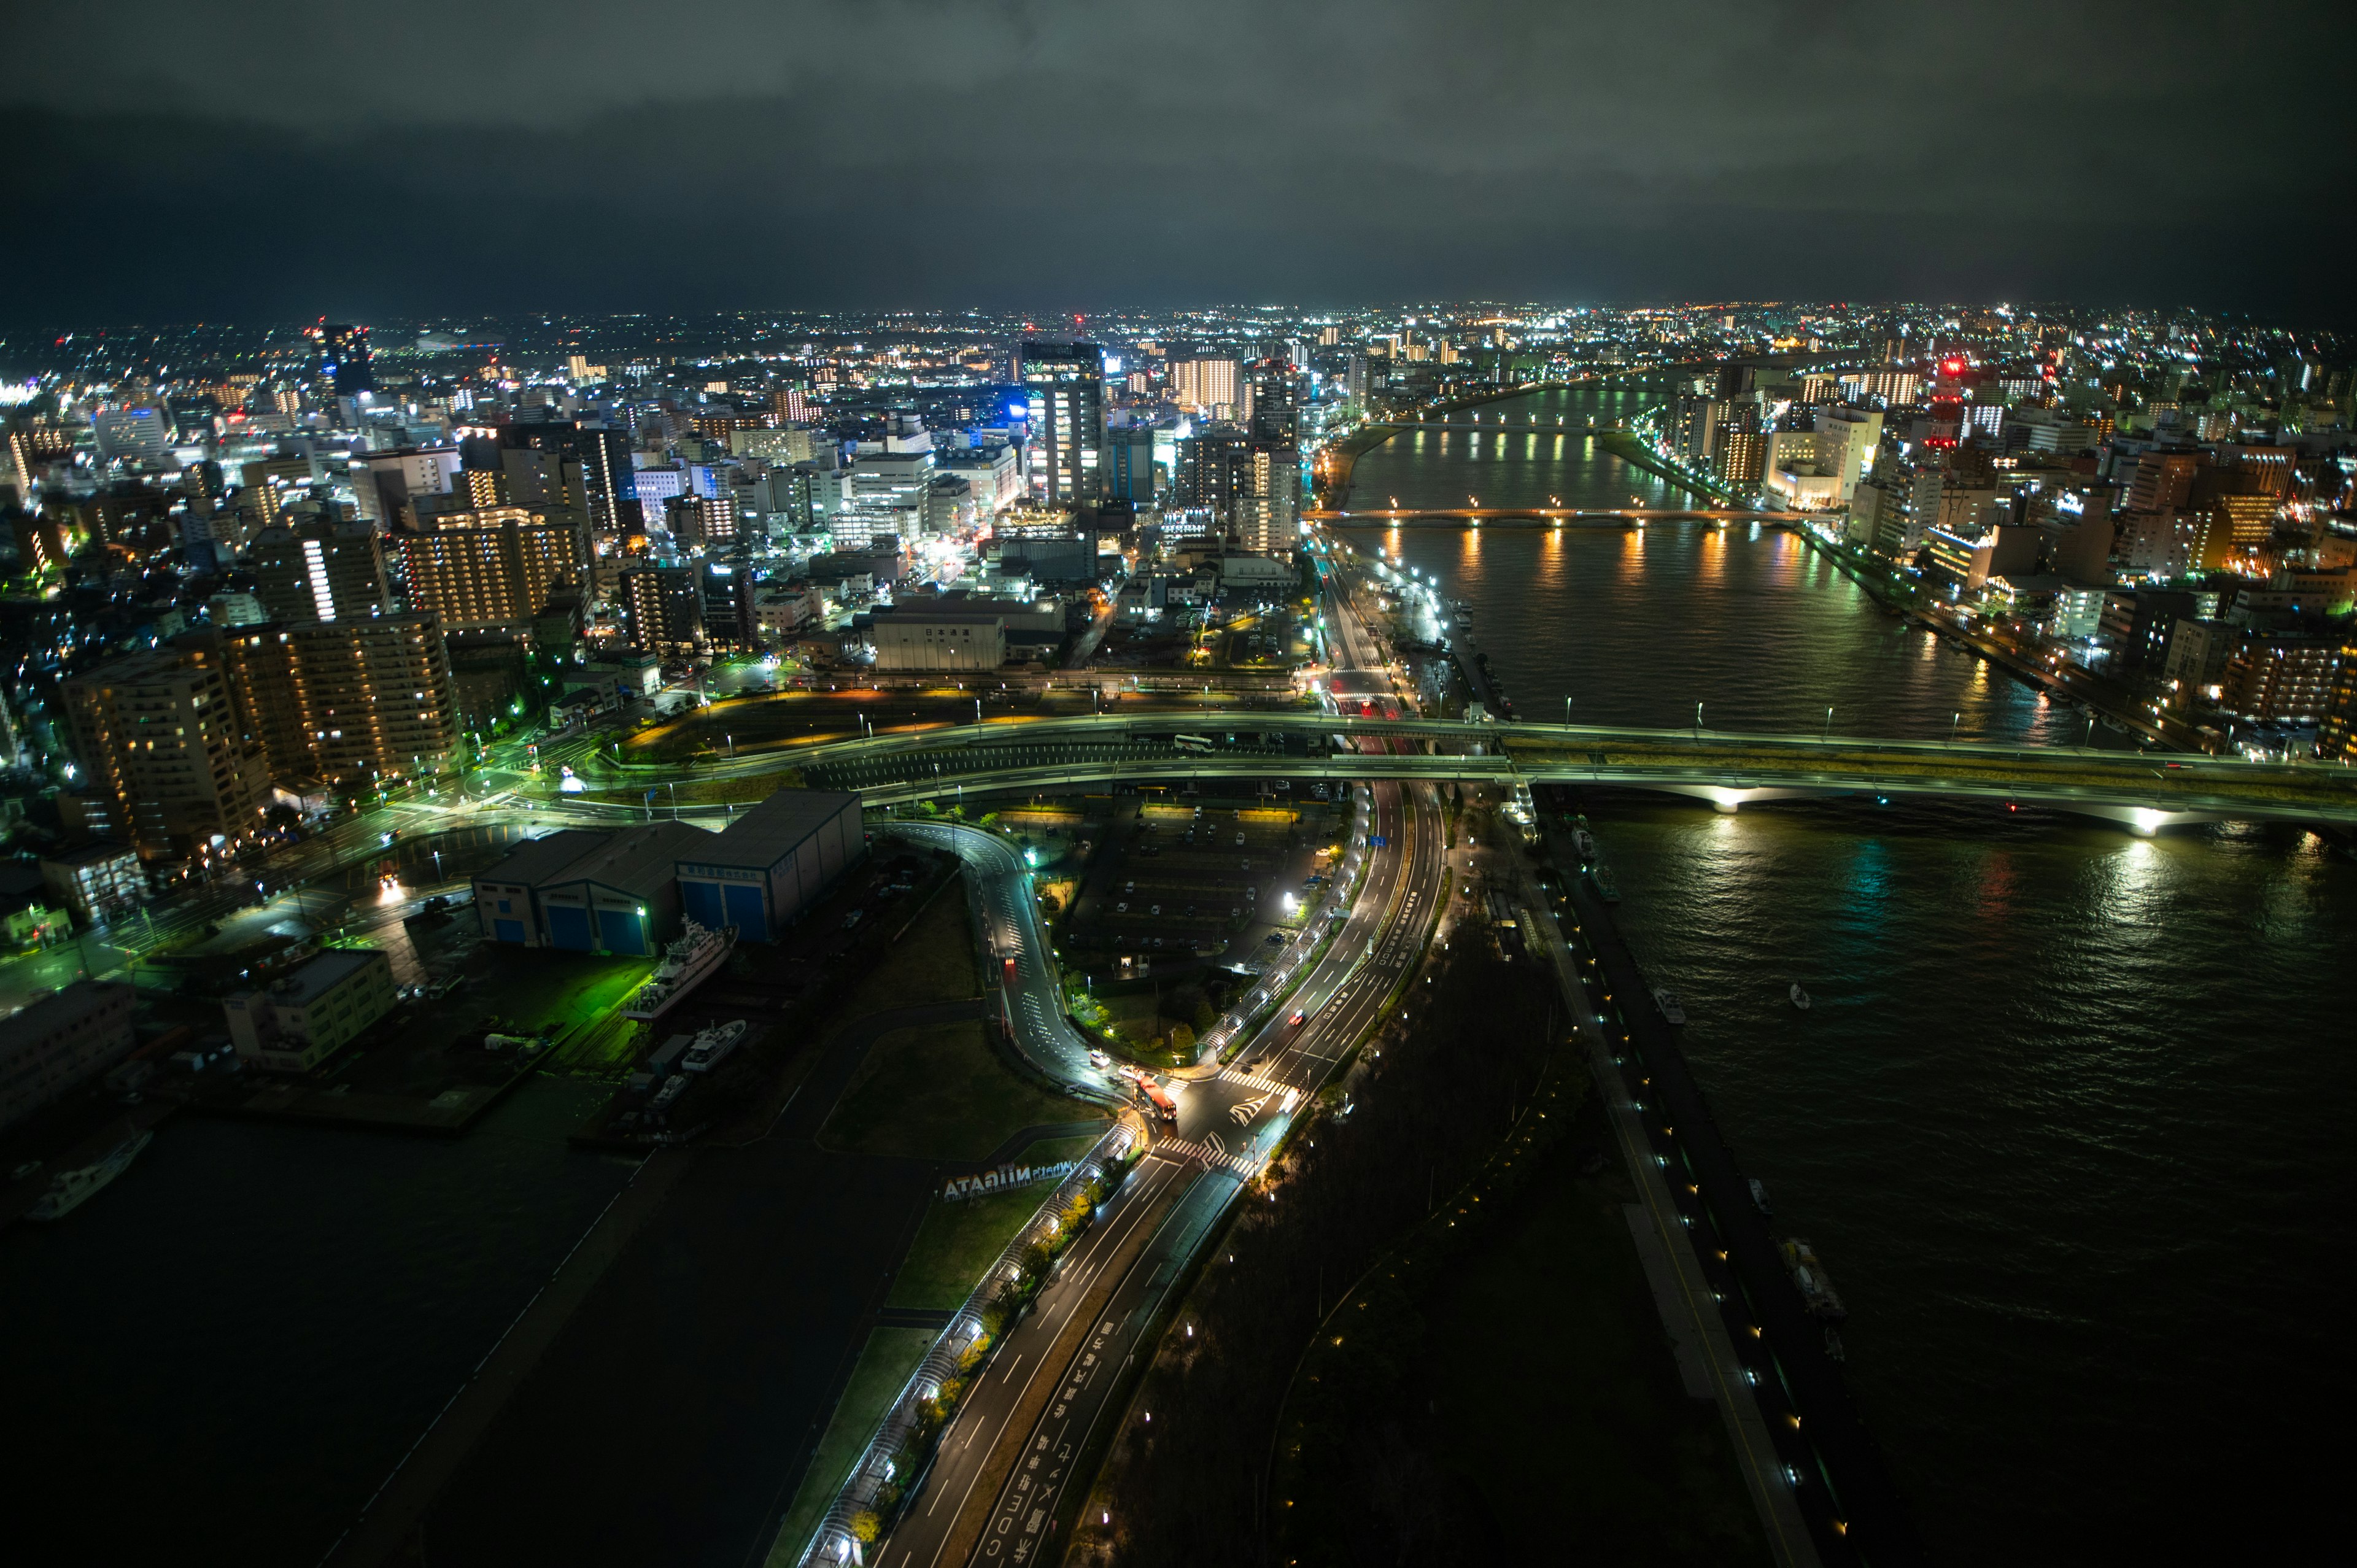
1697	721
1829	725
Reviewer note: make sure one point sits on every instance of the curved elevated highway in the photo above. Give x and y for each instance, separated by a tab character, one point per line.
2144	792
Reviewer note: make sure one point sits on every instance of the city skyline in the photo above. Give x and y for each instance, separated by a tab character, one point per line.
1121	786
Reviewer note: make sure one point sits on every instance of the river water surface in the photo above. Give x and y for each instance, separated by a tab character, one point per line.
2069	1120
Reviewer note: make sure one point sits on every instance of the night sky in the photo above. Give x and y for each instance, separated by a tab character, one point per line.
182	161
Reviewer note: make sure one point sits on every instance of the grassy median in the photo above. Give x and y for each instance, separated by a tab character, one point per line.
938	1093
890	1356
960	1240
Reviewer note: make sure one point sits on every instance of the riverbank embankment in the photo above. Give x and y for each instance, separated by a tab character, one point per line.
1834	1470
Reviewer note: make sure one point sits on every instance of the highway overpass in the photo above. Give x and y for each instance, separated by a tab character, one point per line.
2144	792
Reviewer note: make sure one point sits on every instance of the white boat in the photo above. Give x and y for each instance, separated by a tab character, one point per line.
1759	1195
1582	841
1667	1001
71	1189
698	951
1809	1276
1800	997
712	1046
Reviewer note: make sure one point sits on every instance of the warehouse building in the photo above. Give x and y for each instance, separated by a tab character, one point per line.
50	1048
765	867
588	891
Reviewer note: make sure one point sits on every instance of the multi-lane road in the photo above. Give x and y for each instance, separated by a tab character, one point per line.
1022	1437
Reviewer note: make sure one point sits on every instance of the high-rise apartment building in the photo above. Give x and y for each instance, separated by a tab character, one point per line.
1064	384
319	571
487	571
1206	384
704	523
662	610
374	697
158	734
1268	508
1273	393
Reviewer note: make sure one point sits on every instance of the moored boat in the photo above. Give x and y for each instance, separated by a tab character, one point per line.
685	963
71	1189
1800	997
712	1046
1809	1277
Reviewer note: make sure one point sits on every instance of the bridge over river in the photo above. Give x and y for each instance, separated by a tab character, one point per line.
2144	791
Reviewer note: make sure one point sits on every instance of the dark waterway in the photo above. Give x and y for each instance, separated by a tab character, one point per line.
2069	1120
216	1360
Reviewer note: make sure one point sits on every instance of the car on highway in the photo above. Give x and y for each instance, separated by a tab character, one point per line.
1099	1059
1299	1017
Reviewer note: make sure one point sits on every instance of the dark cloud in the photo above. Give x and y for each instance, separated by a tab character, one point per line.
170	162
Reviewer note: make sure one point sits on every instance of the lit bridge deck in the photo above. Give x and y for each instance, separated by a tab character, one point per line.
2146	791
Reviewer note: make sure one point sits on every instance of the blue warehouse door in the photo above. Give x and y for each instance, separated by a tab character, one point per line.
747	912
622	931
568	926
508	930
700	902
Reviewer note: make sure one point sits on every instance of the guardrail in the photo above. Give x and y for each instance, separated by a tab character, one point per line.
833	1540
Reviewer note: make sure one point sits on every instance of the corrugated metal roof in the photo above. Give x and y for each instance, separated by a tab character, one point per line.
536	861
769	831
637	860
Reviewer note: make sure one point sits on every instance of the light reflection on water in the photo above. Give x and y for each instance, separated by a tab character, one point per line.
2068	1120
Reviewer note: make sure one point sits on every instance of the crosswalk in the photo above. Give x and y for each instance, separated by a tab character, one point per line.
1253	1080
1189	1149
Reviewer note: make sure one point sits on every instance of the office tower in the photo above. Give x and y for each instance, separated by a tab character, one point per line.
487	571
1275	397
782	444
602	483
888	488
319	571
157	734
662	610
1355	383
1847	440
343	358
1206	384
1064	385
389	486
1127	471
134	433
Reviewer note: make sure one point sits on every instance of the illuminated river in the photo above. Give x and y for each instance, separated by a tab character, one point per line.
2069	1120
